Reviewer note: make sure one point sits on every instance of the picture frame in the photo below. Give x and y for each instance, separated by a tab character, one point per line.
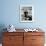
26	13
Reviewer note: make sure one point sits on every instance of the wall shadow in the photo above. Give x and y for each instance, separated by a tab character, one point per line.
2	29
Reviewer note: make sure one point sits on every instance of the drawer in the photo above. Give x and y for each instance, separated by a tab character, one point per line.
21	44
16	41
12	44
12	38
37	44
37	39
34	33
13	33
8	44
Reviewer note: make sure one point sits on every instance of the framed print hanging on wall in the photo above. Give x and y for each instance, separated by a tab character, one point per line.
26	13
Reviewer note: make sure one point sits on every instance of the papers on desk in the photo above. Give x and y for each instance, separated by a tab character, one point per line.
11	28
26	30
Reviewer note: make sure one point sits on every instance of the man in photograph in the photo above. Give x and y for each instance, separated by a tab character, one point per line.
27	17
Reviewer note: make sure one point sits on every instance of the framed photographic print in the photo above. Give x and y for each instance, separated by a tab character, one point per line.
26	13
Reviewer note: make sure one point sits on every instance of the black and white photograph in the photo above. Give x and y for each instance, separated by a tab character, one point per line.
26	13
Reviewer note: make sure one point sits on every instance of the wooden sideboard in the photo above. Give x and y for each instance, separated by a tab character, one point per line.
23	38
